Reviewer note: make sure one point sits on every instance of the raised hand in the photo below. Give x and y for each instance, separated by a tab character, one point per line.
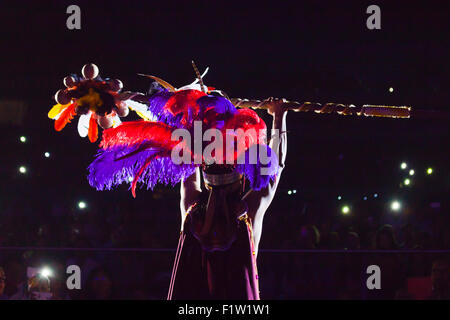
275	106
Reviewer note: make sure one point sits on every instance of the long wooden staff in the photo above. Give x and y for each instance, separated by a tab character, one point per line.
367	110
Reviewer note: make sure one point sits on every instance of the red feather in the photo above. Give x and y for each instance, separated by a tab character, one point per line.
93	129
184	101
136	178
248	121
65	117
134	132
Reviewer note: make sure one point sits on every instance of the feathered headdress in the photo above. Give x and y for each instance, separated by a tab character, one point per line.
143	151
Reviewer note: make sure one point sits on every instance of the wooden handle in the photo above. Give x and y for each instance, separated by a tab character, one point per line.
329	108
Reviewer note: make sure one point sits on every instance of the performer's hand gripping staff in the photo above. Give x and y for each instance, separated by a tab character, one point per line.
95	100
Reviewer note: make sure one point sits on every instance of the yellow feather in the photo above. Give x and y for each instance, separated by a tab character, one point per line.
57	108
141	115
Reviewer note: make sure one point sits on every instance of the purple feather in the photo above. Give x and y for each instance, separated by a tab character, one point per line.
253	167
107	171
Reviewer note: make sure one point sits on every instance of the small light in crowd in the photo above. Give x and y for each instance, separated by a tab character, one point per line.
46	272
339	197
429	171
47	154
364	198
411	172
130	179
395	205
345	210
391	89
82	205
375	195
407	182
403	166
23	139
22	169
289	192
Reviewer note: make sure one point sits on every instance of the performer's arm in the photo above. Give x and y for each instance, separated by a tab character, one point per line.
190	191
259	201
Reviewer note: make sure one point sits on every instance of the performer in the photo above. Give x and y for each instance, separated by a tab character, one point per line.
221	229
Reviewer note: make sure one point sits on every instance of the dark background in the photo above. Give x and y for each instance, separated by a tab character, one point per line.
305	51
308	52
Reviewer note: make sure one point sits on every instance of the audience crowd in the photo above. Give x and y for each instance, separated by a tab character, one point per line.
306	252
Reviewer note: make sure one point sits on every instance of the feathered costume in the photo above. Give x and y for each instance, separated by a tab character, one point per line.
140	151
216	254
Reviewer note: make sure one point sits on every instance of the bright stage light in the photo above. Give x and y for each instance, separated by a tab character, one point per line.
289	192
407	182
375	195
47	154
339	197
395	205
391	89
429	170
411	172
46	272
130	179
23	139
82	205
345	210
22	169
403	166
294	191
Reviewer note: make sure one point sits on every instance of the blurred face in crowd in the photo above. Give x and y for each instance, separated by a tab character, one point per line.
440	275
2	281
385	241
